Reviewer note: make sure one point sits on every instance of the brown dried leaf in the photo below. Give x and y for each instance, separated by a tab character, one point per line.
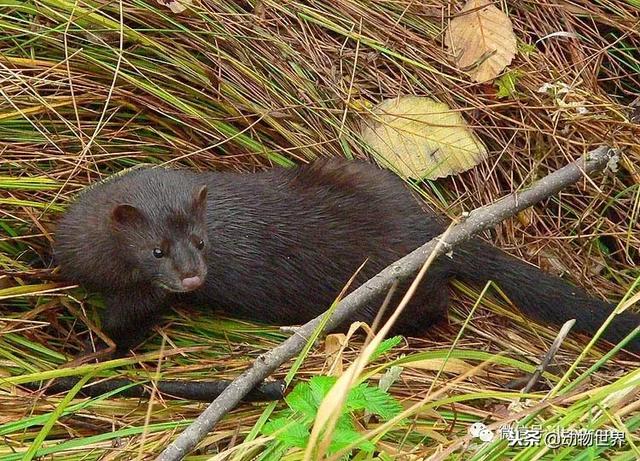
333	347
482	40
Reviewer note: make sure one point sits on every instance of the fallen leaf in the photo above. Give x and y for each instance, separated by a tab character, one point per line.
333	347
481	40
421	138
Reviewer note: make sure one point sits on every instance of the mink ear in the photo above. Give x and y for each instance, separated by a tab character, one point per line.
200	199
126	215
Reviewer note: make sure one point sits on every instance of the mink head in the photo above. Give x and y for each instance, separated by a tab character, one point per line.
165	242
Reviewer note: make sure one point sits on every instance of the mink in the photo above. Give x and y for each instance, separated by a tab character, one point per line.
278	246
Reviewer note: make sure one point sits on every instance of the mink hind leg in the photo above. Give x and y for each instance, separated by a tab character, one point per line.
129	320
427	307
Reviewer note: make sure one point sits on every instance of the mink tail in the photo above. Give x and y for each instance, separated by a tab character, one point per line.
542	296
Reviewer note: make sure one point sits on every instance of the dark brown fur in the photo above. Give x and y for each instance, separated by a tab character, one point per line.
279	247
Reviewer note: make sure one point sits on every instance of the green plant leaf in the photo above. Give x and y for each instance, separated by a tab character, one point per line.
290	432
295	435
379	402
274	426
301	400
320	386
346	437
356	399
385	346
305	399
345	422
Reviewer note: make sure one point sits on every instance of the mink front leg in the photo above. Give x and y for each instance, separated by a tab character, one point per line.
130	316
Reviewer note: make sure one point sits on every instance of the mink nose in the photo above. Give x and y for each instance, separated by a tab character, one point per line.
191	283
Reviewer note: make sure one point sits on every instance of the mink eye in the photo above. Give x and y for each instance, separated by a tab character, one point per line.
200	244
158	253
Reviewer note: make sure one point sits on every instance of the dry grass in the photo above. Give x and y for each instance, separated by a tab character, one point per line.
248	85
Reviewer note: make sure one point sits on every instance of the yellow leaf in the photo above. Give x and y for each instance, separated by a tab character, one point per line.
421	138
481	40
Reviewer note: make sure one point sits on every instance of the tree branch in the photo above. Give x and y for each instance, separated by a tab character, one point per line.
474	222
200	391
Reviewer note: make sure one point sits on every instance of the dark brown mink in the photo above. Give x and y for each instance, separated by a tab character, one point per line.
278	246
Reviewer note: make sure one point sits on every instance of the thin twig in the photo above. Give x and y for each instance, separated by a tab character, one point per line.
564	331
475	222
530	379
200	391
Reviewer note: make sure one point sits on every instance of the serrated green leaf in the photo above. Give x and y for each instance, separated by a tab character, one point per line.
345	422
274	425
385	346
355	399
344	438
303	404
290	432
379	402
295	435
301	400
320	386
